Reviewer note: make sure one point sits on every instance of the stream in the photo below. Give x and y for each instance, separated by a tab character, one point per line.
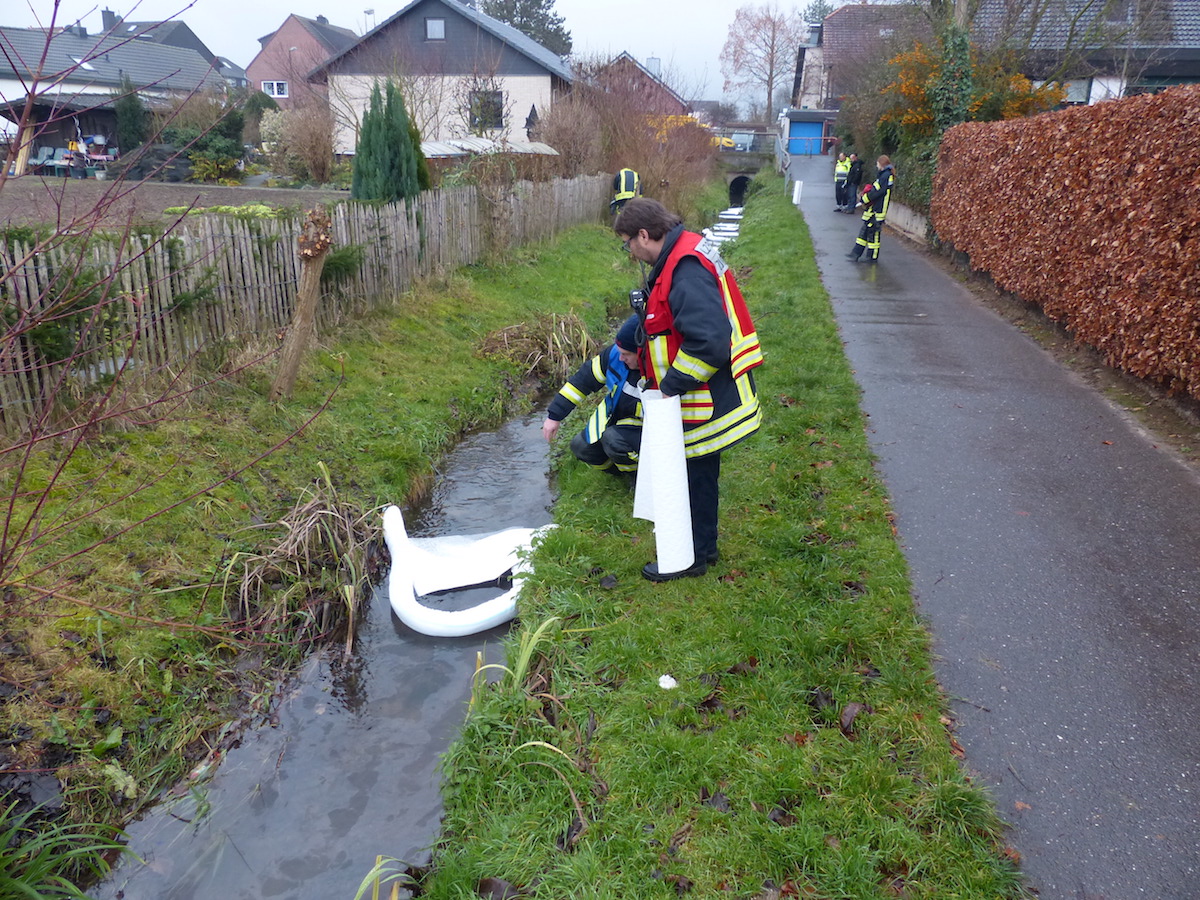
348	769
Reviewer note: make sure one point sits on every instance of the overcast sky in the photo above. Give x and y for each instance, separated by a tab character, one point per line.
686	35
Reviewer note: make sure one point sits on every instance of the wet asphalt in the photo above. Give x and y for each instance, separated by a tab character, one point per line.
1054	550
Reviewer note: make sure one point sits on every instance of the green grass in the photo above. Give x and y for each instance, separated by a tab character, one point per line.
43	862
804	743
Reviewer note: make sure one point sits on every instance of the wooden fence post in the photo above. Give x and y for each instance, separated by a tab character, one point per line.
314	241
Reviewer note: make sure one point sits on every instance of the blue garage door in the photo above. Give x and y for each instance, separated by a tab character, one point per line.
804	138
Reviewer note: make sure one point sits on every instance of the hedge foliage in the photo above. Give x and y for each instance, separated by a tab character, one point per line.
1092	213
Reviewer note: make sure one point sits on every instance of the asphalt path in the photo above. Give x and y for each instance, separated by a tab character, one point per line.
1054	549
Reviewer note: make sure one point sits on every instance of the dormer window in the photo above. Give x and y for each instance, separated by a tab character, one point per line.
435	29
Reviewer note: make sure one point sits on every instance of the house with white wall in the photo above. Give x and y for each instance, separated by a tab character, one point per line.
462	74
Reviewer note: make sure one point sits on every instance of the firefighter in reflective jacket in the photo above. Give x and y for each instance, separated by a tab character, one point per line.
613	435
626	186
699	344
841	171
875	198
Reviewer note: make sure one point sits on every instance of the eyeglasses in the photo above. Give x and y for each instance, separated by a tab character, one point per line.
625	244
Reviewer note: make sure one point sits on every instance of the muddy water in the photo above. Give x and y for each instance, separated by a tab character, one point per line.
300	810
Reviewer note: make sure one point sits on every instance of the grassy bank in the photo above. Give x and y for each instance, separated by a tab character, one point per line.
803	745
128	665
803	749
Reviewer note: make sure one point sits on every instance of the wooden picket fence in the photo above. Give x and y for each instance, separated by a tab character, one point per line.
103	304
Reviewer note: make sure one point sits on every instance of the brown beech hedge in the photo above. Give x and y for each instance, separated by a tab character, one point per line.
1093	213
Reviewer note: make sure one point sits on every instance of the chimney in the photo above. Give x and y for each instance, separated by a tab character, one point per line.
321	20
654	66
109	19
77	29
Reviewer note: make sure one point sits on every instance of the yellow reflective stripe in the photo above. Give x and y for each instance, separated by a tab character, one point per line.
721	433
596	423
743	343
744	365
749	402
745	352
571	394
696	407
659	363
628	185
597	369
696	368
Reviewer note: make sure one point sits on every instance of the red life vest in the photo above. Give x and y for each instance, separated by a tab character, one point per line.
739	414
745	352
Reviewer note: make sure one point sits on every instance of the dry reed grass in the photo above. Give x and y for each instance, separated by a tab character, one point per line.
548	351
311	584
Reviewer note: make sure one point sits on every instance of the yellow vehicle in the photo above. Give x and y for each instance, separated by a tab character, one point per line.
721	142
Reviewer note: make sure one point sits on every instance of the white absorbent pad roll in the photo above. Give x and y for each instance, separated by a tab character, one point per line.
662	486
426	565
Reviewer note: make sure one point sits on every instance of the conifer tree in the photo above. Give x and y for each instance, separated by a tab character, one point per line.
534	18
387	159
133	119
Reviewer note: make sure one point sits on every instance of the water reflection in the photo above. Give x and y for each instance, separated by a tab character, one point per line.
300	810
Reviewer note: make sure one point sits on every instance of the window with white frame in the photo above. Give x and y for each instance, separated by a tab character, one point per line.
275	88
435	29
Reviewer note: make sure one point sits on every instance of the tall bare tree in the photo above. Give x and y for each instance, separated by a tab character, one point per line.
760	51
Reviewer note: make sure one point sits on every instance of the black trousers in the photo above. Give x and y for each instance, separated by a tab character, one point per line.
868	238
704	476
839	192
615	452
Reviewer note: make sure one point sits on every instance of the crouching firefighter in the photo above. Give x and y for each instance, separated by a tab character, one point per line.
613	435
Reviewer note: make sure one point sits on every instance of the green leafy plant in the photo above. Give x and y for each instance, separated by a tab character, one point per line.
385	871
342	263
212	168
44	860
526	647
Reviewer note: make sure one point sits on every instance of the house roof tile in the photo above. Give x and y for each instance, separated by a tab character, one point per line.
102	61
333	38
1168	23
848	28
519	41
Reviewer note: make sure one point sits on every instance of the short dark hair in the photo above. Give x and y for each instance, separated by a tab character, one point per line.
641	212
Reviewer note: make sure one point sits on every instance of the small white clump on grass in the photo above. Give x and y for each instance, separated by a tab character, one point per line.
666	682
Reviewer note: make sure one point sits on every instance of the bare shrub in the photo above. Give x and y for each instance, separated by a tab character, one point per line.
572	127
308	135
616	118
